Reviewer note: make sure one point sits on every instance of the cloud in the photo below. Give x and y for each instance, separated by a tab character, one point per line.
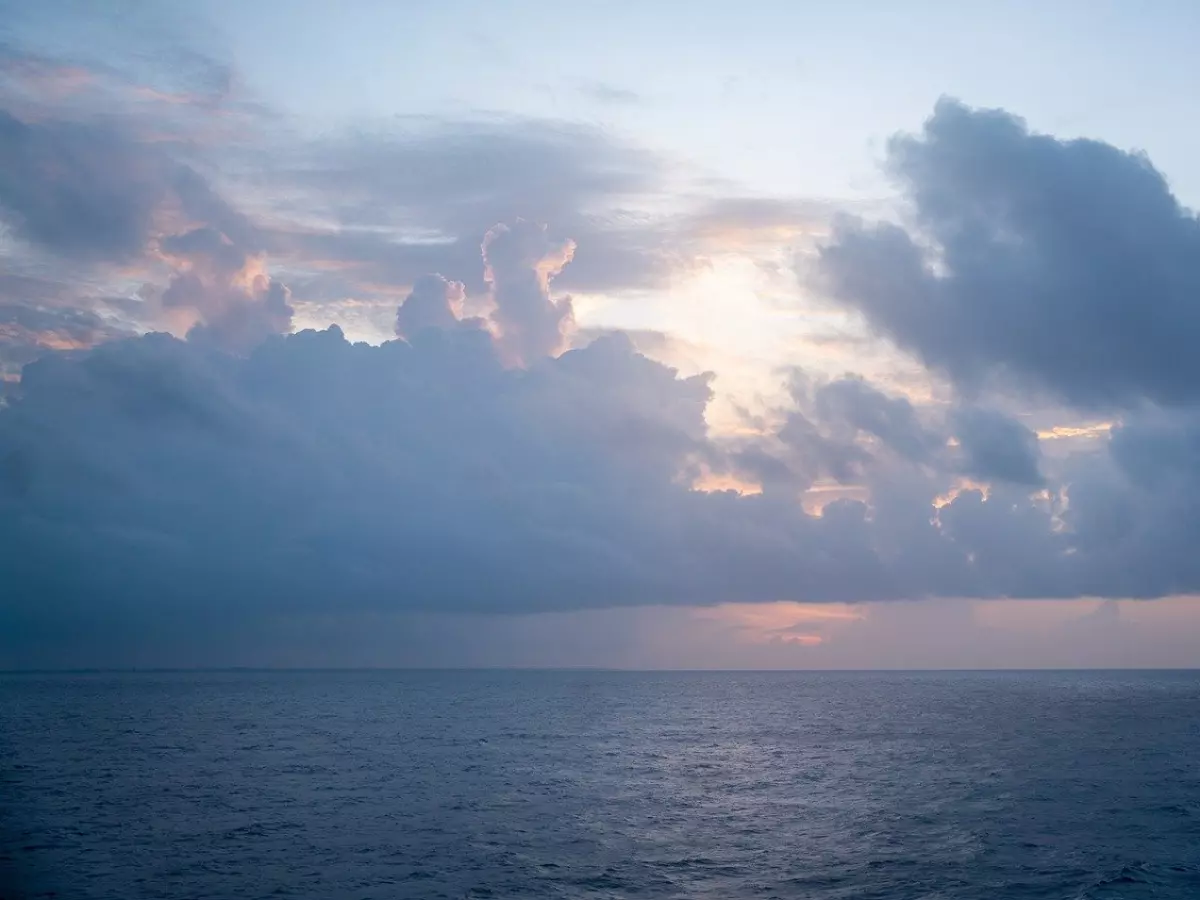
235	303
138	151
120	57
336	490
386	207
394	205
996	447
1066	265
520	261
107	117
526	322
94	192
893	420
456	177
157	492
83	191
847	427
1148	530
27	332
153	488
433	302
1045	268
92	197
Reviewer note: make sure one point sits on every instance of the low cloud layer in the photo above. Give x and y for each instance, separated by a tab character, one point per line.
155	485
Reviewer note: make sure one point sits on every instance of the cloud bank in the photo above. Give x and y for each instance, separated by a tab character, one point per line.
238	475
156	484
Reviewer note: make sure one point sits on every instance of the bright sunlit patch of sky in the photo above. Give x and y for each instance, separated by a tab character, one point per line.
725	321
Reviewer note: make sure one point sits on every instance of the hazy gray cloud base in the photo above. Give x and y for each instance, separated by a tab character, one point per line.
154	488
157	492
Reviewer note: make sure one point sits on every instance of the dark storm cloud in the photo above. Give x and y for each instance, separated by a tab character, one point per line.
1068	265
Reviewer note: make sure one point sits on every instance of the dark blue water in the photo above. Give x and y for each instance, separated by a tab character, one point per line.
613	785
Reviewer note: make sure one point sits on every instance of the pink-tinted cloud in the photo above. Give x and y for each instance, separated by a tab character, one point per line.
231	301
520	262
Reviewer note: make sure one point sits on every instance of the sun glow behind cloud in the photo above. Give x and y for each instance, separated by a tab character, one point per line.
737	315
785	622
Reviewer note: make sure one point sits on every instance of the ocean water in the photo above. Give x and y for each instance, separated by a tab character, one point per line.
600	785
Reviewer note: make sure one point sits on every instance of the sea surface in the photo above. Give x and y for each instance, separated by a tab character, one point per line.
458	785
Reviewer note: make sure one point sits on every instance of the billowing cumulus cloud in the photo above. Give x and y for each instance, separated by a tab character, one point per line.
520	261
153	487
434	302
235	304
1064	265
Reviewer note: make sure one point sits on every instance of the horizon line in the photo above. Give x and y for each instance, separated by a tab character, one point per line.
166	670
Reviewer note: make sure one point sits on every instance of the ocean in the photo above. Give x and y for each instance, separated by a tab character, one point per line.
578	784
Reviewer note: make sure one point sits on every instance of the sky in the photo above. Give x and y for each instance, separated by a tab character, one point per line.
757	335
